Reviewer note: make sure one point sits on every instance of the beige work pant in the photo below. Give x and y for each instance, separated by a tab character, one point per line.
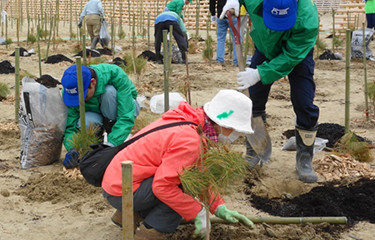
93	25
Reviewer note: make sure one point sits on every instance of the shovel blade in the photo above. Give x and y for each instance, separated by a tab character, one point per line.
260	140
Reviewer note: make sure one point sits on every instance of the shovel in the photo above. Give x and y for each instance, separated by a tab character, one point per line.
260	140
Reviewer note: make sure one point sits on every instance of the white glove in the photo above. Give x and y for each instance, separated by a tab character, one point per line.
213	19
247	78
231	5
200	222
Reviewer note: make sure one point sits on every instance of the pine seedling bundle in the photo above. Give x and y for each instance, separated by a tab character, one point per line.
349	144
82	143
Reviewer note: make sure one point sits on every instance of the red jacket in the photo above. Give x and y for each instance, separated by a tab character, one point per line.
163	154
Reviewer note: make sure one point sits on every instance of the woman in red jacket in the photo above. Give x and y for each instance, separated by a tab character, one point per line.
159	157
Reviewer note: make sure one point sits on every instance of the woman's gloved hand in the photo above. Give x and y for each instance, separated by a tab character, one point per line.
232	216
71	159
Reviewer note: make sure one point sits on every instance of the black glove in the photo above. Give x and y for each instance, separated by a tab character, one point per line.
80	25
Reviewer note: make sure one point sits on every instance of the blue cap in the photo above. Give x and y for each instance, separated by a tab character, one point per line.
280	15
70	85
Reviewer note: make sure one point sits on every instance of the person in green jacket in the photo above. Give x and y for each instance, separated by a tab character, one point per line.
177	6
110	102
284	34
370	13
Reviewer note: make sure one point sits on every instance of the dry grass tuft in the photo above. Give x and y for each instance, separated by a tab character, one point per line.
361	151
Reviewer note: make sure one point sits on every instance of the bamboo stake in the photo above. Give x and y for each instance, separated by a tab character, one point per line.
49	38
81	101
127	201
347	81
170	50
285	220
6	32
71	20
57	18
2	24
148	31
39	57
120	30
133	31
333	29
197	13
113	28
28	22
18	31
157	7
84	50
17	91
365	69
166	71
130	20
142	21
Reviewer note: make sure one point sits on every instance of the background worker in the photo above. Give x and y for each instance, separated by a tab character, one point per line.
94	14
216	8
159	157
370	13
177	6
162	22
284	33
110	102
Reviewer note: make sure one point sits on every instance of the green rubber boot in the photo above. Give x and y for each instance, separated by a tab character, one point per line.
305	151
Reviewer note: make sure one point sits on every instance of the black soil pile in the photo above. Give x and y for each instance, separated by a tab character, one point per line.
149	55
330	131
23	53
58	58
6	67
105	51
89	52
328	55
119	61
48	81
356	201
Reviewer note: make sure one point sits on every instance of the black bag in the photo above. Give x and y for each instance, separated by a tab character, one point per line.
94	163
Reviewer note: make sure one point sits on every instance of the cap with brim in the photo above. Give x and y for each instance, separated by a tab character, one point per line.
70	86
230	109
280	15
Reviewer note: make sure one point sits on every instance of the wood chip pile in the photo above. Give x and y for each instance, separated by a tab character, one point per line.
334	167
73	173
9	126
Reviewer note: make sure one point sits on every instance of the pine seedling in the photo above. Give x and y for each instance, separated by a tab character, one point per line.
31	38
8	41
4	91
350	144
121	34
217	169
136	65
97	60
208	52
81	143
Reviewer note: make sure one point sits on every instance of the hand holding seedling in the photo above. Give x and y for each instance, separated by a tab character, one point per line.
232	216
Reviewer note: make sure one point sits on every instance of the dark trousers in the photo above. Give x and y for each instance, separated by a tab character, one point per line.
155	213
302	91
178	35
370	18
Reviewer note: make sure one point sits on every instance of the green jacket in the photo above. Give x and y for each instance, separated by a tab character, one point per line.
176	6
108	74
370	6
284	49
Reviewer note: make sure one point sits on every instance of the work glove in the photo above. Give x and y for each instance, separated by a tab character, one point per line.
232	216
200	222
213	19
80	25
71	159
247	78
232	5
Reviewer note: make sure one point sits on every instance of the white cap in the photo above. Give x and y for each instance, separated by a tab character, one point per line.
231	109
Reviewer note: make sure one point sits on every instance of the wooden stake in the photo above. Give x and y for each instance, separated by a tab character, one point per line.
166	71
148	32
365	70
39	57
333	29
170	50
84	49
81	101
127	201
17	91
347	82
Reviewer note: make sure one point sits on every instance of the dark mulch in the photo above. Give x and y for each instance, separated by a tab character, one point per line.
23	53
48	81
149	55
119	61
328	55
58	58
6	67
89	52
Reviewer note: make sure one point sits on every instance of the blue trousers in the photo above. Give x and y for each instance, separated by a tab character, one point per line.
222	27
155	213
370	18
108	108
302	91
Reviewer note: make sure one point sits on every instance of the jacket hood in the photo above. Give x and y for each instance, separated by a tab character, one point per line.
185	112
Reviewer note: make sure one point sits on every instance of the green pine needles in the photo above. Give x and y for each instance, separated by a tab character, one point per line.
4	91
219	169
208	52
82	143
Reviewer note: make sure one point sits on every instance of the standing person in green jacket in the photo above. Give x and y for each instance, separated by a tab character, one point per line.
177	6
110	102
370	13
284	33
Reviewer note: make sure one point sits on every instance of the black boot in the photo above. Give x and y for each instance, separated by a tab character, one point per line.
305	151
183	56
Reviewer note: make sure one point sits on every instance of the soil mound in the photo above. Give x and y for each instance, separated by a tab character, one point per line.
58	58
48	81
119	61
149	55
104	51
330	131
329	55
6	67
89	52
355	200
23	53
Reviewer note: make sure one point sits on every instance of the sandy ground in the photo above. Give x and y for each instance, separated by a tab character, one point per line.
41	203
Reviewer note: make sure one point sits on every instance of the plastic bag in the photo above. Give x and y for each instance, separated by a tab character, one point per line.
104	34
319	144
42	119
157	102
356	45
